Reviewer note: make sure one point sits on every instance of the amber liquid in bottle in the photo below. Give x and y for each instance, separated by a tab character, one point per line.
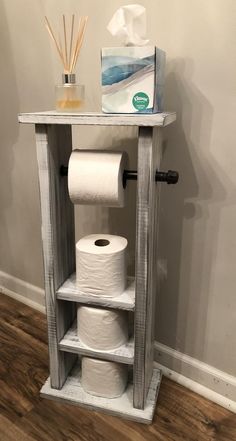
69	95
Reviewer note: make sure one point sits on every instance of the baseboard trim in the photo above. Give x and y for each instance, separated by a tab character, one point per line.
212	383
22	291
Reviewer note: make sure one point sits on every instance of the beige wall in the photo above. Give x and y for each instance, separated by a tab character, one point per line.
196	311
25	72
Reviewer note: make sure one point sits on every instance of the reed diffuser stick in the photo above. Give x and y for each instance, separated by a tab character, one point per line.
71	35
50	31
69	55
76	43
65	41
79	41
60	46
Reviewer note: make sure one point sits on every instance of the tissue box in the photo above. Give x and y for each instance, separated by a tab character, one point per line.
132	79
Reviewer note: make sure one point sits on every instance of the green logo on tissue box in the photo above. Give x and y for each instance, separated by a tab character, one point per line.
140	101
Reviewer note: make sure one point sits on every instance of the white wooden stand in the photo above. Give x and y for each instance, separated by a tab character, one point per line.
54	145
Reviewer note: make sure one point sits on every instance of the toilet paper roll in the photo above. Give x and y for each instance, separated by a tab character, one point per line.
101	265
103	378
102	329
96	177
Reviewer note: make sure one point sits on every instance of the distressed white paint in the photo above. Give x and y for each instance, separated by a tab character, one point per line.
73	393
72	343
149	158
102	119
70	291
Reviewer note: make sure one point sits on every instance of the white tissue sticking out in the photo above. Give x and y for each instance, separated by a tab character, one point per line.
129	24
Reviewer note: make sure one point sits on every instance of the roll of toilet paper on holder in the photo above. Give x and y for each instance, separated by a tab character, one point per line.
96	177
102	329
103	378
101	265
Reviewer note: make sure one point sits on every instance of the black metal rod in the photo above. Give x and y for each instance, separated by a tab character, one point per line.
63	170
170	177
130	175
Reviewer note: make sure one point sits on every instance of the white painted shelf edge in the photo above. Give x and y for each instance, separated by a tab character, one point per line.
71	343
126	300
102	119
73	393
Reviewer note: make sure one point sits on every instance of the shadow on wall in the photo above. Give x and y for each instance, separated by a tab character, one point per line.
188	236
9	128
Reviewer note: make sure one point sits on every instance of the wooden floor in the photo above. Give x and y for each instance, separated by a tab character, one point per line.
181	415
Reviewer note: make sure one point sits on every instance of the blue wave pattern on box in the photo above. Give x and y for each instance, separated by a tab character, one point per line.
117	69
132	79
115	60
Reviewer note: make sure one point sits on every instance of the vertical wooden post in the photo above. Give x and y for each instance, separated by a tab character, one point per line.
54	145
149	156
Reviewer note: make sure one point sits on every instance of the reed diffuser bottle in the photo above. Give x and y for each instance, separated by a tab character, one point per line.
69	95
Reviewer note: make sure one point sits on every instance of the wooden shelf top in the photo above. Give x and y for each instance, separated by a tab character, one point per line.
71	343
100	119
126	300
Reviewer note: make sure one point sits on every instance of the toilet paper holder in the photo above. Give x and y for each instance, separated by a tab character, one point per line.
54	143
170	177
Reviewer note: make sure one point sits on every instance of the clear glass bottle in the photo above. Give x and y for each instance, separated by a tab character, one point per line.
69	95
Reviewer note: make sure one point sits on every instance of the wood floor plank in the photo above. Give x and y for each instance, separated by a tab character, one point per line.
22	318
11	432
181	415
23	357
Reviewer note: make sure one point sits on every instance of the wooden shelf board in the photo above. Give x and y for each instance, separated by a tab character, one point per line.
102	119
73	393
71	343
126	300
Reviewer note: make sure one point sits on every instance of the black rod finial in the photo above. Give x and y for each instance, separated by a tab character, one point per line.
170	177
